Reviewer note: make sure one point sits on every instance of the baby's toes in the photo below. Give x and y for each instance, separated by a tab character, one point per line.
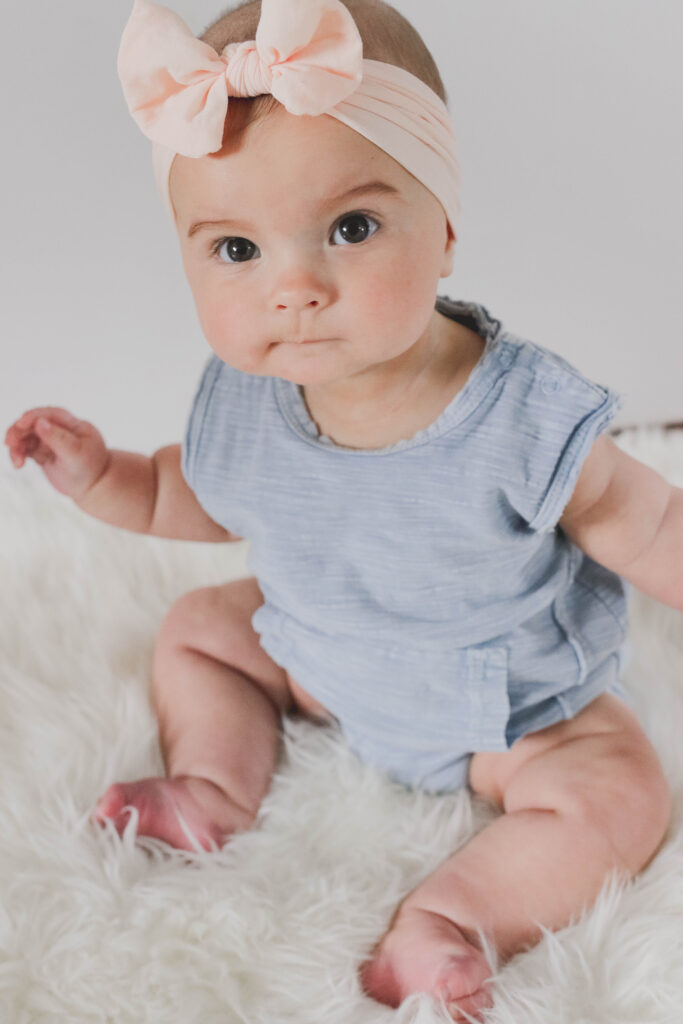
473	1002
461	978
111	806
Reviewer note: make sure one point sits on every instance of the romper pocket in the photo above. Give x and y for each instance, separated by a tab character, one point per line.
431	697
462	695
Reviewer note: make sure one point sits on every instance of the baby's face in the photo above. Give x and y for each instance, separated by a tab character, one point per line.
293	281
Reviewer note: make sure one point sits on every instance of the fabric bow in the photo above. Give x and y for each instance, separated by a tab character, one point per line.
308	54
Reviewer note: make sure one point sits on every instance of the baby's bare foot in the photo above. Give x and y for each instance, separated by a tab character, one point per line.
186	812
424	952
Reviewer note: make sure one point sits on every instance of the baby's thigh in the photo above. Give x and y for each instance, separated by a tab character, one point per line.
216	621
601	749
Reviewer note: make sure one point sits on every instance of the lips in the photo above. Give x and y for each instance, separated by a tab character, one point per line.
303	341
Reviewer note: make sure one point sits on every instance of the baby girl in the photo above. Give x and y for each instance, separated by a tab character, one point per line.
441	532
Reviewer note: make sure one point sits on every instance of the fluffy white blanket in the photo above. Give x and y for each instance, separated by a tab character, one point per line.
271	929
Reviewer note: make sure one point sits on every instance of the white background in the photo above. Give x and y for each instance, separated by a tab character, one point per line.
568	117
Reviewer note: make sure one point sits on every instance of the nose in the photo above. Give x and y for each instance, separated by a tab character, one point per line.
300	289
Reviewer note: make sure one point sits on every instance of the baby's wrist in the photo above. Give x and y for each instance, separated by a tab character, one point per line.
122	494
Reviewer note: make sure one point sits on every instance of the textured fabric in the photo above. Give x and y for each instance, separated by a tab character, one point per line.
423	592
309	55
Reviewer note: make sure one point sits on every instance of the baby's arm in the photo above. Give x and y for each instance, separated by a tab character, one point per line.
145	494
626	516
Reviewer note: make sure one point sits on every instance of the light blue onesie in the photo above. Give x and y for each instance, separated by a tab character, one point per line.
423	592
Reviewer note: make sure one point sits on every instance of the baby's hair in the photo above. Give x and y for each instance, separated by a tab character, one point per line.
387	36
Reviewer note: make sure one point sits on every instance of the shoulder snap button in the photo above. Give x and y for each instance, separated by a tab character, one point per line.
550	384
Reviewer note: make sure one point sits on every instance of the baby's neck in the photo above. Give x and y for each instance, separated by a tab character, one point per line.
380	411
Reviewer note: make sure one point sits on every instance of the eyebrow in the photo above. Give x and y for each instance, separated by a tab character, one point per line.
379	188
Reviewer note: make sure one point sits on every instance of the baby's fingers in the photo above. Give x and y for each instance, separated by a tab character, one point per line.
63	443
28	419
25	424
47	442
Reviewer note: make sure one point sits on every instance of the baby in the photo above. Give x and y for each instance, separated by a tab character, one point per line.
441	530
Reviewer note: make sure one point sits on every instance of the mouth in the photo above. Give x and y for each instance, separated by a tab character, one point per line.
304	341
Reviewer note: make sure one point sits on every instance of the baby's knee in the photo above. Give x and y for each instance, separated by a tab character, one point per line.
188	619
610	783
630	803
644	814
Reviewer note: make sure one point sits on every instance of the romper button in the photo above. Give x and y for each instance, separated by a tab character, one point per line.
549	385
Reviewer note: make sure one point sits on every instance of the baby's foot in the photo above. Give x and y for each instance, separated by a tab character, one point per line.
424	952
186	812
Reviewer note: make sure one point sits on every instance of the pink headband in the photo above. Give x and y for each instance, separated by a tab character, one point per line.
309	55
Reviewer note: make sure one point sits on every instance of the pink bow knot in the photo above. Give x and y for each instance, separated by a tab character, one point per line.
247	73
308	54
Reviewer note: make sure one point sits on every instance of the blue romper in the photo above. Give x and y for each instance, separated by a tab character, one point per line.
423	592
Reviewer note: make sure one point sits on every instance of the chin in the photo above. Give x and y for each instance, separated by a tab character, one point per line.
303	377
304	371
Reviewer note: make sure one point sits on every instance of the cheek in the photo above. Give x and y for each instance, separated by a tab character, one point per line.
214	308
210	313
213	328
226	327
217	318
398	292
210	310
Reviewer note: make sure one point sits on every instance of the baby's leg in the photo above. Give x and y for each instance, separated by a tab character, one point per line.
581	798
219	699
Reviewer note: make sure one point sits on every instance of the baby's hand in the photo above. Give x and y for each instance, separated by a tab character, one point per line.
71	452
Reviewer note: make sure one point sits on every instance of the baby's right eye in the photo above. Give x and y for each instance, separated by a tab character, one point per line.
237	249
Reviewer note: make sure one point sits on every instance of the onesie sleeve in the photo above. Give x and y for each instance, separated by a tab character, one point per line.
560	416
194	429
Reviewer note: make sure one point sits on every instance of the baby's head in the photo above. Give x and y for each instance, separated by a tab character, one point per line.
283	247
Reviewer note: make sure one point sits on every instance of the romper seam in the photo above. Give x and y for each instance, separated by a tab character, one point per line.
574	642
596	594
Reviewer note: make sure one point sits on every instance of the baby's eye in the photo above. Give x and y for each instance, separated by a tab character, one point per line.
237	250
352	227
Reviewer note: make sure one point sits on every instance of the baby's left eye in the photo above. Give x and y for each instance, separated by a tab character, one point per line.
352	227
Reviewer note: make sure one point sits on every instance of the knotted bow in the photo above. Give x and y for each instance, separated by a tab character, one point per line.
308	54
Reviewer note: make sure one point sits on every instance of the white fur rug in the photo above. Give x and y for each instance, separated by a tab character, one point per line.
271	929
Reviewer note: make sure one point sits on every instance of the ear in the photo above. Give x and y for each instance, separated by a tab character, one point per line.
449	252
